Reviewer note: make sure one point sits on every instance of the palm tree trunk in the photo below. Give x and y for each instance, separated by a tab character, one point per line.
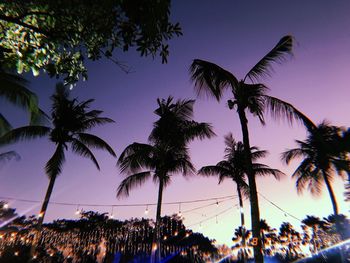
254	202
42	214
242	221
46	201
156	249
331	193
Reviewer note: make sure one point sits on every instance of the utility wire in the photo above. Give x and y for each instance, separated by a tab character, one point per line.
120	205
204	206
214	216
284	211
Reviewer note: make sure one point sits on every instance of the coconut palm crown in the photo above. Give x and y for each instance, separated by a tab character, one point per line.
70	122
234	167
322	157
166	154
248	95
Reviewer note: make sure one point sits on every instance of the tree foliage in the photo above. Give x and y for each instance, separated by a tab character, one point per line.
58	35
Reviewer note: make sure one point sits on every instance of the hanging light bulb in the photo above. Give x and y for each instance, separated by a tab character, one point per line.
179	213
146	211
77	212
111	216
217	203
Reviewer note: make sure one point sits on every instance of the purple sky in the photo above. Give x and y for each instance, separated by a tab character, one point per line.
235	35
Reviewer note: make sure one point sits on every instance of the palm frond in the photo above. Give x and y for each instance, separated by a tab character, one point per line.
230	142
54	165
93	122
291	154
184	109
7	156
277	55
262	169
39	118
183	165
96	142
280	109
210	79
257	154
197	130
214	170
305	167
14	89
132	181
165	179
136	156
81	149
5	126
252	97
342	166
316	183
24	133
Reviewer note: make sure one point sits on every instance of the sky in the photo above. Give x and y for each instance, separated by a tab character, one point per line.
235	35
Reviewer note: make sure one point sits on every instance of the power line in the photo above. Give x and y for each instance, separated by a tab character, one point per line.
214	216
118	205
204	206
284	211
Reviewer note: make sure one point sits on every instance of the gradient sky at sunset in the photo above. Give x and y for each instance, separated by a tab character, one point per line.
235	35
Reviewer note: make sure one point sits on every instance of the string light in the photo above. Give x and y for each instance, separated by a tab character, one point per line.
120	205
111	216
77	212
154	247
6	206
179	213
146	211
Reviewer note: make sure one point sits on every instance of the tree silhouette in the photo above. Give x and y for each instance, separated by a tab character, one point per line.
321	158
165	155
248	95
234	167
70	121
13	88
59	36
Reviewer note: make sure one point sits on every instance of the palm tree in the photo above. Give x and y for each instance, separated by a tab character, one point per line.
70	121
321	159
165	155
234	167
14	89
315	224
212	80
290	239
